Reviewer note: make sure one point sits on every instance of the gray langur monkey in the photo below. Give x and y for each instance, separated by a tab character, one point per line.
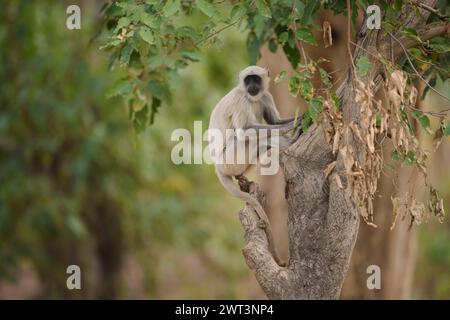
248	106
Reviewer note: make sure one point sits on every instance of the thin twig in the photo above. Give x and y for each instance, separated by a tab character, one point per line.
430	9
434	65
349	34
217	32
414	68
299	43
367	51
425	33
438	114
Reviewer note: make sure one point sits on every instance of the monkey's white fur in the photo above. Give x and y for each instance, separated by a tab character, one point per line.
240	110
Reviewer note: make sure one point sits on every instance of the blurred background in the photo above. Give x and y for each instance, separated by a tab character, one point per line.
77	186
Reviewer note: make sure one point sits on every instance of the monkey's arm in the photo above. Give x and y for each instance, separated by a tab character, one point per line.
283	127
270	112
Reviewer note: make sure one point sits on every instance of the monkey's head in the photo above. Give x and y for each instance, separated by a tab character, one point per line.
254	81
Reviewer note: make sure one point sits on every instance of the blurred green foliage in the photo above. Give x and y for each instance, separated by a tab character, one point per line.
67	169
432	276
77	185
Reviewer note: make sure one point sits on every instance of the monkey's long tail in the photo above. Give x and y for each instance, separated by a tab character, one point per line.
227	182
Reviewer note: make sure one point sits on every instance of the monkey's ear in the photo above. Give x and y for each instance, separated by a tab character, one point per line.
268	71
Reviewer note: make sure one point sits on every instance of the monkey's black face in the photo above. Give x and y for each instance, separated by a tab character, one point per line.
253	84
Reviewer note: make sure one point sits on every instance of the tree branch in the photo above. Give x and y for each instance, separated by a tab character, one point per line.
425	33
430	9
276	281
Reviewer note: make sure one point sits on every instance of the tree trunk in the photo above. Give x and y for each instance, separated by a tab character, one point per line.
322	220
322	227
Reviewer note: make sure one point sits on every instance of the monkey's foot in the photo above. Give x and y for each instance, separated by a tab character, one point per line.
244	183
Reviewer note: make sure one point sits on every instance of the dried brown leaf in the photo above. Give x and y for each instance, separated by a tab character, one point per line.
327	35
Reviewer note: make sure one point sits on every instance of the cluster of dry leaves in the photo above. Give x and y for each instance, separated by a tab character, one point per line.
359	144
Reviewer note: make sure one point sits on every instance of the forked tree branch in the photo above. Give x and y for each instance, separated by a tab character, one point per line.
430	9
425	33
275	280
322	219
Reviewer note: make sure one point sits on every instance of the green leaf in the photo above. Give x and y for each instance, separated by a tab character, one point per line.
263	8
294	85
309	12
190	55
273	45
440	44
412	34
125	54
209	9
160	90
122	23
171	7
281	76
306	35
120	88
149	20
336	101
253	45
156	103
155	61
259	24
283	37
238	12
424	121
315	107
292	54
306	121
306	89
410	158
363	66
140	120
398	5
325	78
147	35
447	130
300	9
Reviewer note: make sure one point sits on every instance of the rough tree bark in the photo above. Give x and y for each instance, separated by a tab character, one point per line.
322	227
322	220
